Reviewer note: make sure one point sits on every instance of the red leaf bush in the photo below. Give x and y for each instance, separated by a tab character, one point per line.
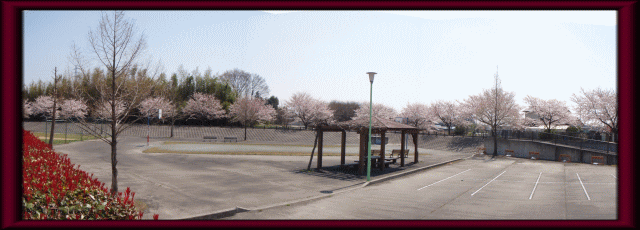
53	189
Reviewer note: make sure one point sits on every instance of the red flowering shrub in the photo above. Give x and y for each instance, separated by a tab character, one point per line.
54	189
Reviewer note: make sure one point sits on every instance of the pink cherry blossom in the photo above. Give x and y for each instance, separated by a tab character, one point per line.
203	106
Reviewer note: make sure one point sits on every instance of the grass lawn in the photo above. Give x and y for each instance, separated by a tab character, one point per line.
58	138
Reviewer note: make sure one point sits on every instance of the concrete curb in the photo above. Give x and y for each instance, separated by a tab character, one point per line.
233	211
411	171
219	214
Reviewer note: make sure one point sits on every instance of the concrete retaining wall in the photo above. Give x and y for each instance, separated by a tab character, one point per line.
521	149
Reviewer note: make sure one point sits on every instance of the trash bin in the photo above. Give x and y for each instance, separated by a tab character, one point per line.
375	140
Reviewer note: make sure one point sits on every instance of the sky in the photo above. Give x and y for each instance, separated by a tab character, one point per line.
419	56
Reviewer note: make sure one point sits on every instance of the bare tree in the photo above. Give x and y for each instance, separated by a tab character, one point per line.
257	86
598	107
238	79
116	47
55	101
495	108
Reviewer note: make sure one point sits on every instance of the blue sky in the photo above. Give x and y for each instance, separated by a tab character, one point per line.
420	56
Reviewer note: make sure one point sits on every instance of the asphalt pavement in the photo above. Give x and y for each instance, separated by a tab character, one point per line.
477	188
183	186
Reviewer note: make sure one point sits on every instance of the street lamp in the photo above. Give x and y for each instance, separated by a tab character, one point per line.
371	74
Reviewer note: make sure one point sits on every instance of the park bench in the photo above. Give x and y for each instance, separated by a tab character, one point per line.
209	138
564	158
534	155
397	153
508	152
230	138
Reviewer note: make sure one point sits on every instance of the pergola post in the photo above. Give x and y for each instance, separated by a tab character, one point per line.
402	141
415	143
320	132
382	149
362	151
342	147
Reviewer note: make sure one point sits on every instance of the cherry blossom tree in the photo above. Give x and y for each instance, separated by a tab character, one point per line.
495	108
378	110
150	107
284	116
248	110
598	107
308	109
203	106
43	105
449	113
104	110
549	113
72	108
418	114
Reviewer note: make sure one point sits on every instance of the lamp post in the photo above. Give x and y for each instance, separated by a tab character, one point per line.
371	74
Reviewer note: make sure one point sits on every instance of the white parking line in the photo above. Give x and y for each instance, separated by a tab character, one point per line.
444	179
585	190
614	176
534	187
488	183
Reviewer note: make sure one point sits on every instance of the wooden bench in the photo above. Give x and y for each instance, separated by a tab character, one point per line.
397	153
230	138
209	138
534	155
508	152
564	158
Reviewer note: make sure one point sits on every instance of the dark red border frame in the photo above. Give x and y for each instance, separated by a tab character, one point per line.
12	85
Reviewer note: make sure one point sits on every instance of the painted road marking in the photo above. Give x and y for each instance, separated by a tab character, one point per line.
534	187
444	179
614	176
585	190
488	183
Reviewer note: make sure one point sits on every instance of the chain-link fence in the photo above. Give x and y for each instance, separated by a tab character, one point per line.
561	139
287	136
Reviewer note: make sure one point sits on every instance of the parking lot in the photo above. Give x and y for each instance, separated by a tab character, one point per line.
476	188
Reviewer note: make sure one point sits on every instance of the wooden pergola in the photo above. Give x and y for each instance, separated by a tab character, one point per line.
361	126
